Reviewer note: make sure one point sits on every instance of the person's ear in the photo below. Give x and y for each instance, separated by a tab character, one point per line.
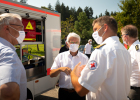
105	27
67	44
6	28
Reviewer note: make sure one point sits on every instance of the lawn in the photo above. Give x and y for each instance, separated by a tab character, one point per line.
32	49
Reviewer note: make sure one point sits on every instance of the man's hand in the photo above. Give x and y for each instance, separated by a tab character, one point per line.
82	91
79	69
67	70
55	72
9	91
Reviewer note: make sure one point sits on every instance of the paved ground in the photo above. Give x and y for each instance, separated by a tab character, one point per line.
49	95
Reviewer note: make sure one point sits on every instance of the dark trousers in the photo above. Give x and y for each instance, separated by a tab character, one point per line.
88	55
69	95
134	93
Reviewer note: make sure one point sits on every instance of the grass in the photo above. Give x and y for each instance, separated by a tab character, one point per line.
32	49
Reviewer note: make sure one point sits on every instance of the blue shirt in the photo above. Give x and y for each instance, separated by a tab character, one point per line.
11	68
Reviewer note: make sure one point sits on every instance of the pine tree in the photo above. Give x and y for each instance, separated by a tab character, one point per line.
58	6
23	1
107	13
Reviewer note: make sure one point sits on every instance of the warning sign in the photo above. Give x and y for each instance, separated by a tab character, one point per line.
29	26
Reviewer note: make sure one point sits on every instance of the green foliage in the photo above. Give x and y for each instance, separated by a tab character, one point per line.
58	6
100	15
50	7
83	26
107	13
79	10
130	14
67	26
89	12
63	12
45	7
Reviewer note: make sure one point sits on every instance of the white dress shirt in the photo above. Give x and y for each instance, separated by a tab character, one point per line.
107	74
65	59
135	61
88	48
11	68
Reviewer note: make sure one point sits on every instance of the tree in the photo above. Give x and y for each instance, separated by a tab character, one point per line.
107	13
50	7
96	17
73	13
100	15
89	12
67	12
23	1
58	7
83	26
63	12
113	13
130	14
79	10
67	26
45	7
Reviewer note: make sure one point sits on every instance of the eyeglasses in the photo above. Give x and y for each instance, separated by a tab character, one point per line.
73	42
17	25
123	34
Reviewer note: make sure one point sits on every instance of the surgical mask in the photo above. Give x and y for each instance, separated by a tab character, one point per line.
90	42
98	38
65	41
21	35
124	42
73	47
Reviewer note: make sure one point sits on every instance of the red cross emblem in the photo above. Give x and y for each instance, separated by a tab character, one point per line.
92	65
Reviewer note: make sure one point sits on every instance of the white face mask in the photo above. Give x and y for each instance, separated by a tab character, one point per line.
21	35
124	42
90	42
73	47
98	38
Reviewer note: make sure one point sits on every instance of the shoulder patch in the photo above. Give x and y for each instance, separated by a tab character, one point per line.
97	47
137	47
92	65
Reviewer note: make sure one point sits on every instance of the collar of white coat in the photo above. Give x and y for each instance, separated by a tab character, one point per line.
78	54
133	45
7	43
109	39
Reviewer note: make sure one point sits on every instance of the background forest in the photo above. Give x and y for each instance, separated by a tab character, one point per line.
80	20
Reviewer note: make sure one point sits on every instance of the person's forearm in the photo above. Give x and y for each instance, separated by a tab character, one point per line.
74	80
9	91
55	72
84	51
77	86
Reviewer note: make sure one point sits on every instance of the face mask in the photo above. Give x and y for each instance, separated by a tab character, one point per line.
21	36
90	42
124	42
73	47
98	38
65	41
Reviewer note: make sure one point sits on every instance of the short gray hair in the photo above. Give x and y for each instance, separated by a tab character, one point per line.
73	35
6	18
89	40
